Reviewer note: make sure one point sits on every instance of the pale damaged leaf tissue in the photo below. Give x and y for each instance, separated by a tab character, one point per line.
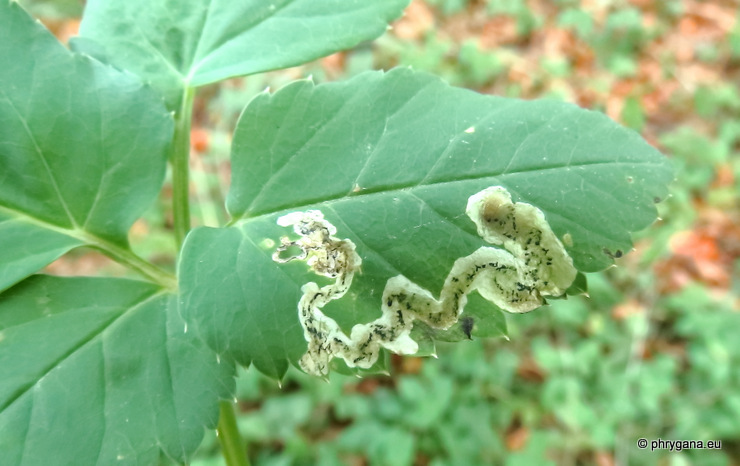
532	264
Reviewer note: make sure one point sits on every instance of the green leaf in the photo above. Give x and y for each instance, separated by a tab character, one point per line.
391	159
101	371
175	44
487	320
30	247
82	148
579	286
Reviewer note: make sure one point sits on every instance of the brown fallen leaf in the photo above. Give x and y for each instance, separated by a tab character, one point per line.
516	439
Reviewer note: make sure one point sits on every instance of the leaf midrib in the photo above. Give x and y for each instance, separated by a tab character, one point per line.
257	215
77	233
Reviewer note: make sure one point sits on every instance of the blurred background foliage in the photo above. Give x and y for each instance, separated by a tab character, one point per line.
654	352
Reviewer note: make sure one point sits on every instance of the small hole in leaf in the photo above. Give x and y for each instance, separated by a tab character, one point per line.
290	252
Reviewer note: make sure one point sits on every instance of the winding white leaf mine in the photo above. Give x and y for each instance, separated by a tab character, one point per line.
532	264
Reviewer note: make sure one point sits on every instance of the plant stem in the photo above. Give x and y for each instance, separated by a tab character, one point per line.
121	254
232	446
128	258
180	158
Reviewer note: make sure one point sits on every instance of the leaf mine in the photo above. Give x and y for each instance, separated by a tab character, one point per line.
529	263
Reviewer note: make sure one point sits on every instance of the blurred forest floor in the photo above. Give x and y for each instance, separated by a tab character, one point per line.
653	353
